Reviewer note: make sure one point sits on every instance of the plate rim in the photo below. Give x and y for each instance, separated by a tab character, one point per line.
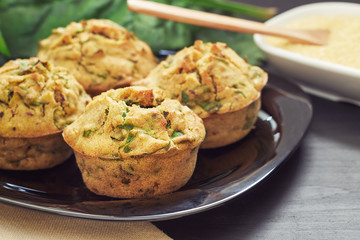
251	181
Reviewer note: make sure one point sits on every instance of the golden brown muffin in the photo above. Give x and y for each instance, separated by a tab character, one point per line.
37	101
132	142
100	53
217	84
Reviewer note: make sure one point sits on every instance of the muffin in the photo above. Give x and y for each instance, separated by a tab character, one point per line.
100	53
37	100
133	142
217	84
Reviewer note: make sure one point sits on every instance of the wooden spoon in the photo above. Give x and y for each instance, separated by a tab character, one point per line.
211	20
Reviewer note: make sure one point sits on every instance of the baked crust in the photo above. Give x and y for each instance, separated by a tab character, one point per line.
135	131
100	53
37	101
212	80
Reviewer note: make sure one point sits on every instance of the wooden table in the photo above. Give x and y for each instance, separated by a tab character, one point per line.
314	195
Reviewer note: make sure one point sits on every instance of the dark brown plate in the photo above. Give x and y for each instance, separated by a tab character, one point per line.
220	175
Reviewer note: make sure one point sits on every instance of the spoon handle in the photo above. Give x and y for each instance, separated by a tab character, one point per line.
217	21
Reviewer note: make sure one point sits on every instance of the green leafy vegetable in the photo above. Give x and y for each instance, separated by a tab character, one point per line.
87	133
211	107
125	126
3	48
127	148
25	22
124	115
241	93
184	97
36	103
177	134
249	122
130	138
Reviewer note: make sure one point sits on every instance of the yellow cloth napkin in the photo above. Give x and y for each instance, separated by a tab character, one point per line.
27	224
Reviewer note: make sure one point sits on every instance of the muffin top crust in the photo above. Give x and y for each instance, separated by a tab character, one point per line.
134	121
100	53
209	78
38	99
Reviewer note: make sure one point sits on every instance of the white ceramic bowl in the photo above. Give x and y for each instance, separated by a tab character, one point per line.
325	79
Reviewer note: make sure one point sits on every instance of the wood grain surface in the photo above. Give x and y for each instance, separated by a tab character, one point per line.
314	195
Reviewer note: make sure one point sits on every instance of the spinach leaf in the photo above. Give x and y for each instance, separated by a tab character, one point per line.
3	48
25	22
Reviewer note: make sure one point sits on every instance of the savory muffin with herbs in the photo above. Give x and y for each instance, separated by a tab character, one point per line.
133	142
100	53
217	84
37	100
